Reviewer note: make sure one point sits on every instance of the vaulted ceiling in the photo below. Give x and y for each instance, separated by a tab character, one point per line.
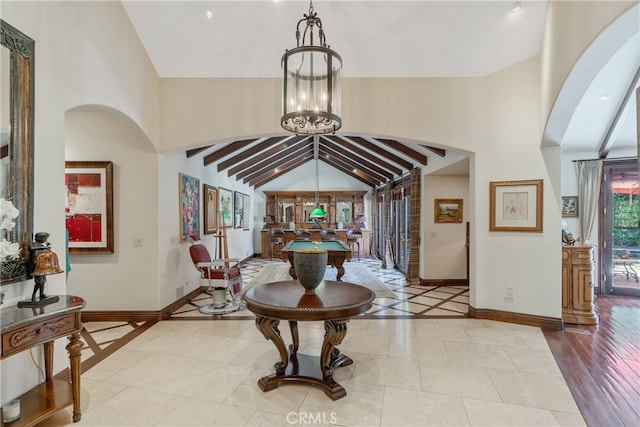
372	161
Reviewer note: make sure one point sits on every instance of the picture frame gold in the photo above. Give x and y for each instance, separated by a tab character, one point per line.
210	204
570	206
447	210
516	206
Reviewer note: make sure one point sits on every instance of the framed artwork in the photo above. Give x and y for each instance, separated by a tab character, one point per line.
448	210
189	196
246	211
515	206
89	206
238	210
210	203
225	206
570	206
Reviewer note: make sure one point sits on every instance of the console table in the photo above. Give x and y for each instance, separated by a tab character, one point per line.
25	328
334	303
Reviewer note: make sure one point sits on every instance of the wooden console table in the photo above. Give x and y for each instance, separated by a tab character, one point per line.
25	328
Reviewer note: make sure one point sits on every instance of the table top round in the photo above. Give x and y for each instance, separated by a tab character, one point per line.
287	300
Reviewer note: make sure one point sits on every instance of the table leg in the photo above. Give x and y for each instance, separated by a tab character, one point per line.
48	360
340	269
74	348
330	356
293	348
269	329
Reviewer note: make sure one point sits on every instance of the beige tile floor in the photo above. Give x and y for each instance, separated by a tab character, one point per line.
407	371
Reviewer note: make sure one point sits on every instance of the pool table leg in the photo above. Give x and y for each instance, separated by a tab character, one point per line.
340	269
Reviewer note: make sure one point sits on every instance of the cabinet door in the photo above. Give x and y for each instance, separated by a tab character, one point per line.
583	287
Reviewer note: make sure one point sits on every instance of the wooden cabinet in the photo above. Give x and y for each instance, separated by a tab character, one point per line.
24	328
290	235
577	285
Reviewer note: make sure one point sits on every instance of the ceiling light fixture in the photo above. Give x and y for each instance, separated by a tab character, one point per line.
517	7
311	87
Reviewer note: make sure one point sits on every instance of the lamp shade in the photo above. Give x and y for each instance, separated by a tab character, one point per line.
47	263
317	213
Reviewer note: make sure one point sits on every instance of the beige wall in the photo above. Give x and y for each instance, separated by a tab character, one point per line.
84	61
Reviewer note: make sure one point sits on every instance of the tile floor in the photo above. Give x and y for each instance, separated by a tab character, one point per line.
410	370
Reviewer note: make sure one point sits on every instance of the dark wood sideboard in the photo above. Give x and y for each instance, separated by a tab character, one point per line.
25	328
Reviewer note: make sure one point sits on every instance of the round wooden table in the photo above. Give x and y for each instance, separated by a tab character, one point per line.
334	303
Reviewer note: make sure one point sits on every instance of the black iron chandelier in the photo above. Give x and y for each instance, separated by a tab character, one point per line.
311	89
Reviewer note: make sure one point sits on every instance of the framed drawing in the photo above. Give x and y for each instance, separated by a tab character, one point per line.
225	206
448	210
189	196
570	206
515	206
238	207
89	206
210	203
246	211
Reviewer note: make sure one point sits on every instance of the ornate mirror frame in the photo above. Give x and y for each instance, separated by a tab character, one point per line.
21	146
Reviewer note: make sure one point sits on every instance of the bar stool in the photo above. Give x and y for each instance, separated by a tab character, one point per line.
328	234
354	235
303	235
276	239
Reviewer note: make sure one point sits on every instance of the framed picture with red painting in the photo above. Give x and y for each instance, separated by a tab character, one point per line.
89	206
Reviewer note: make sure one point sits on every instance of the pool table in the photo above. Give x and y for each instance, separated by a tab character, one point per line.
337	252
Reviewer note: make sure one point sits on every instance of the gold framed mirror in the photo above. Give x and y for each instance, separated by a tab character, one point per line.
16	152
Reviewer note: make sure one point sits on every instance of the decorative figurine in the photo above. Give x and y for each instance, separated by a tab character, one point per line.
42	262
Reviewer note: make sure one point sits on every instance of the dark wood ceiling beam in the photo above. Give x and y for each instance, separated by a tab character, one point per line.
274	161
226	150
358	160
370	146
439	151
346	171
354	168
363	153
271	164
281	149
392	143
248	152
282	170
196	151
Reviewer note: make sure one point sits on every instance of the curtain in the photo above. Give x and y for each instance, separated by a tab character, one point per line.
387	259
589	173
413	274
375	221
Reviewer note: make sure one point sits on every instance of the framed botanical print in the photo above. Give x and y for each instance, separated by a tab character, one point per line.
189	199
448	210
210	203
515	206
246	211
238	209
89	206
225	207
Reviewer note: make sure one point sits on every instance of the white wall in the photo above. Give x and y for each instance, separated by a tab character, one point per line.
128	278
443	250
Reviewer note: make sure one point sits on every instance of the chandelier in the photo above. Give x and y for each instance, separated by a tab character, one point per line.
311	89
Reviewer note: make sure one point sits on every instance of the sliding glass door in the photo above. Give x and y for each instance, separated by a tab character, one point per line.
620	228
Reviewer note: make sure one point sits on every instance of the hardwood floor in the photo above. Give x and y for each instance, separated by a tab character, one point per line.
601	363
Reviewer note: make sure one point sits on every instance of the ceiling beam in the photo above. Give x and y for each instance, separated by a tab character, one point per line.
269	165
283	170
243	154
353	168
391	143
363	153
346	171
226	150
382	152
358	160
276	150
439	151
196	151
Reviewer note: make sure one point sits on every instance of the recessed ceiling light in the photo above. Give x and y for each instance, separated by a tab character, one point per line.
517	6
209	14
604	97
